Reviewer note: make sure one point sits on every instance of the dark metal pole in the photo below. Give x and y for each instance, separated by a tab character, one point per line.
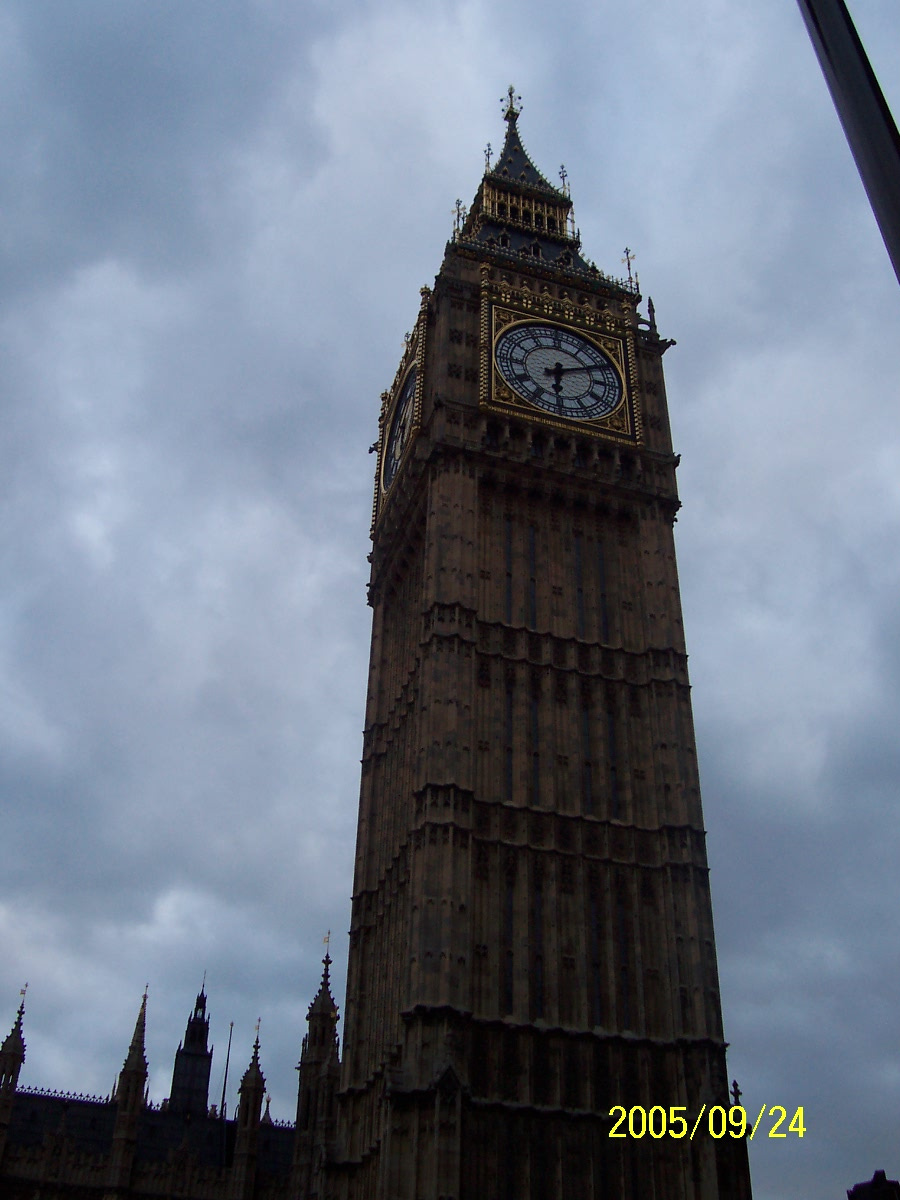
864	114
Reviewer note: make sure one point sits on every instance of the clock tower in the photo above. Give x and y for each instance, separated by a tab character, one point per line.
531	937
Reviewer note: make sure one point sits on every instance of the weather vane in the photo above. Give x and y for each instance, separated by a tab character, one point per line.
629	258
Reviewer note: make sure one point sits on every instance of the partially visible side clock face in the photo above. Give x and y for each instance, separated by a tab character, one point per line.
559	371
400	427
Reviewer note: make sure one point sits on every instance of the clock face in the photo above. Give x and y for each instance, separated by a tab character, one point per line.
559	371
400	427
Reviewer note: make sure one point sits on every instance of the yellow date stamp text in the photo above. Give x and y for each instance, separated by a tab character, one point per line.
717	1121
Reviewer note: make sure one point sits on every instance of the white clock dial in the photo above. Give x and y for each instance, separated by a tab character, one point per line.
559	371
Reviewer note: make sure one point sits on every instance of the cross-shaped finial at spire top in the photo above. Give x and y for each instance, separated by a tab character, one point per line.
487	156
513	104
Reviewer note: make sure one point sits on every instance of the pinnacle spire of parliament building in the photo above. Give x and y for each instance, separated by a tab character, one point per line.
531	936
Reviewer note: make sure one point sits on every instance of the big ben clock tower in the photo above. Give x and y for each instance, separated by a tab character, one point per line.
531	937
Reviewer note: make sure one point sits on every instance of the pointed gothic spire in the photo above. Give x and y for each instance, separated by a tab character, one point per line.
200	1004
252	1089
518	213
253	1074
513	164
132	1081
136	1057
14	1042
323	1005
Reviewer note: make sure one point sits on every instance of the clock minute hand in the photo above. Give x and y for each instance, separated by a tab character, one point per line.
559	369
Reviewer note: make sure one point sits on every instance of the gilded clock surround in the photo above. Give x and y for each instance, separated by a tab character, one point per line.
413	359
404	400
504	305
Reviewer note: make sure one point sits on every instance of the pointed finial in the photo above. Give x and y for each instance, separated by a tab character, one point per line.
459	213
651	313
511	100
487	156
14	1041
564	175
628	260
736	1092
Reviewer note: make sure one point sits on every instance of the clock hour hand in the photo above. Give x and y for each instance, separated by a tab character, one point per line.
557	371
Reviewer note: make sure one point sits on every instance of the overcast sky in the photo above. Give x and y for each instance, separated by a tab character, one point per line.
216	218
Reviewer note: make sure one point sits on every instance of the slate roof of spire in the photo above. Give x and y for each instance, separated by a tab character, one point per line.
514	164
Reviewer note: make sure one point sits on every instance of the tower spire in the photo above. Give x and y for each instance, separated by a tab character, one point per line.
323	1004
136	1057
193	1062
12	1051
518	213
14	1042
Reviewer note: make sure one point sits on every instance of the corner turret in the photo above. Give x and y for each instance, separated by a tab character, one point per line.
319	1069
252	1090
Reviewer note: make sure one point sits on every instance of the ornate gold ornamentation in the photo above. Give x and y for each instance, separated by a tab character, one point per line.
414	354
503	304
